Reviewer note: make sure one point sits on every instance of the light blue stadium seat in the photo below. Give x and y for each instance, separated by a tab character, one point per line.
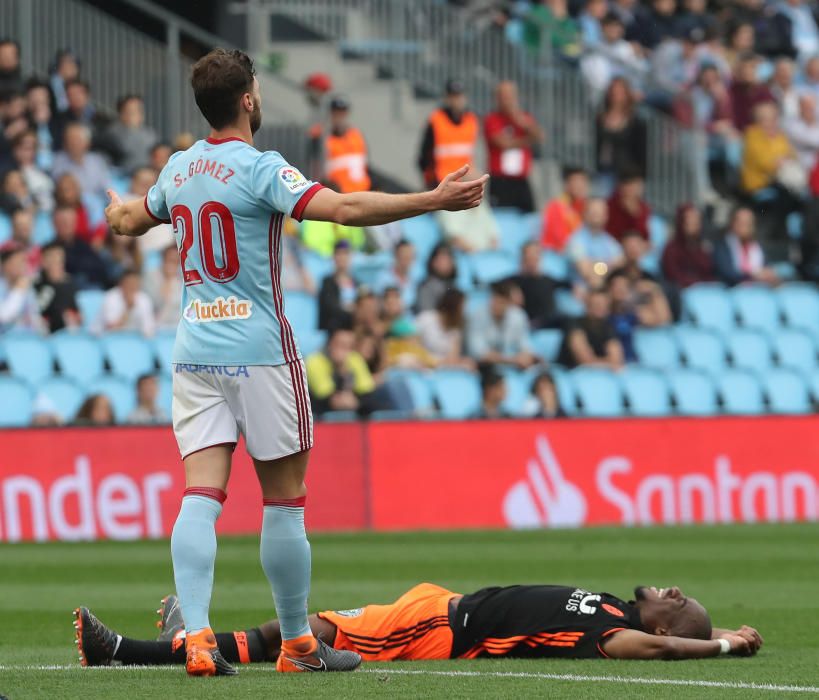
656	348
339	417
799	304
568	304
795	349
317	265
162	344
43	231
813	385
476	299
128	354
741	393
534	224
694	392
646	392
5	228
555	265
120	392
492	265
165	400
709	306
311	341
367	269
89	302
787	392
515	230
546	343
301	309
387	416
749	349
66	396
657	231
419	385
15	408
29	357
463	273
79	355
519	400
598	391
565	389
701	349
423	232
458	393
756	307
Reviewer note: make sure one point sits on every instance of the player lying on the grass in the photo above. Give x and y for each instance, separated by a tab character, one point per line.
429	622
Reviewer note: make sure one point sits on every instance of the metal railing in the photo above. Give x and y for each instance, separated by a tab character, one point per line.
117	59
426	42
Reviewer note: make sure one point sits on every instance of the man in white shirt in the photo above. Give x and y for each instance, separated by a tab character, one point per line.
803	131
127	308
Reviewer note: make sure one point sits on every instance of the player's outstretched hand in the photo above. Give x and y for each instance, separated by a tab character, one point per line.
455	194
114	212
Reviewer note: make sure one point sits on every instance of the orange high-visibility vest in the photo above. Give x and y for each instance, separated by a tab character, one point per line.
346	163
454	143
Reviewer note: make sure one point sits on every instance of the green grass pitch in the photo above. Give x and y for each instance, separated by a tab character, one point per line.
760	575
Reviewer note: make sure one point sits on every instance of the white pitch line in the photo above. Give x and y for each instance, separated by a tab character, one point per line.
729	685
571	677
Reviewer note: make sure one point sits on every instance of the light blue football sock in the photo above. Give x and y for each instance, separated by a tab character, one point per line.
193	549
285	555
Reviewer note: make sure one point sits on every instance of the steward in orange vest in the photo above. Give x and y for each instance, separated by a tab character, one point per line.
450	137
345	152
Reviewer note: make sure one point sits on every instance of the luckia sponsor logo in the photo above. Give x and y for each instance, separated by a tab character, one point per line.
220	309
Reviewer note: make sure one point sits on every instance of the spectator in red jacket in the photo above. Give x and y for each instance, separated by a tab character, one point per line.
628	210
68	194
511	134
564	214
688	257
747	91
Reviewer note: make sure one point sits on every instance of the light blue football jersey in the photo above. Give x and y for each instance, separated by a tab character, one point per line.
227	203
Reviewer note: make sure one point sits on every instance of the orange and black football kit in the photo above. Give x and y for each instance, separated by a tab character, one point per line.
429	622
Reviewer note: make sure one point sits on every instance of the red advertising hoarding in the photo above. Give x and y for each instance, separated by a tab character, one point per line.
126	483
577	472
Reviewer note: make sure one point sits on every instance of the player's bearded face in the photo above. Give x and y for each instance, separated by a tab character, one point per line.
256	114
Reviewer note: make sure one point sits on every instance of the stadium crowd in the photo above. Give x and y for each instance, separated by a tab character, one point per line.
591	265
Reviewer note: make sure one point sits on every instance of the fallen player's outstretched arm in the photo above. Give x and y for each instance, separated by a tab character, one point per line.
745	631
631	644
375	208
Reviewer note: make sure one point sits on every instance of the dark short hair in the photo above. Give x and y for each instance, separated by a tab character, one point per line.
490	378
572	170
612	18
129	272
54	245
631	233
402	243
501	288
145	377
218	80
78	81
125	99
9	252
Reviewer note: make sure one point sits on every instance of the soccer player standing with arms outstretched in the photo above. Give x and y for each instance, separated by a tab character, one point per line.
237	366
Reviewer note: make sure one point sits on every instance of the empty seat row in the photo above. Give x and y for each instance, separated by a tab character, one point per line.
710	351
635	391
686	392
65	396
752	306
80	356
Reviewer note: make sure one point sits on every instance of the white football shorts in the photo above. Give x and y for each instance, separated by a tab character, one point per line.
268	405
